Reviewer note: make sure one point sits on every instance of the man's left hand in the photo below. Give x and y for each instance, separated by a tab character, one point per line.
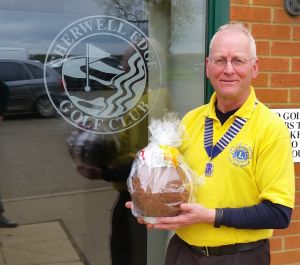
192	213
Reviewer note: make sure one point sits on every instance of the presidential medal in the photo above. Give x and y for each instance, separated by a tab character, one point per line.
209	168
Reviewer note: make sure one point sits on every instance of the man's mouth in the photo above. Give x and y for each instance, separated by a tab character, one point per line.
228	81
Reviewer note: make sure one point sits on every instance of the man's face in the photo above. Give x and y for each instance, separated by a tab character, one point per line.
231	80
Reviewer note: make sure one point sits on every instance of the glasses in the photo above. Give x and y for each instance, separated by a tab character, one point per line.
236	62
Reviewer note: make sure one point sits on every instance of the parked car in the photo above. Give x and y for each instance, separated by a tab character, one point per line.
25	80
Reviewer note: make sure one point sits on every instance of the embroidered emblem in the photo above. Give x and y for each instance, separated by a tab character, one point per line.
240	155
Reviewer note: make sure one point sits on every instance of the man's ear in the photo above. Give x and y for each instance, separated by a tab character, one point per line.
206	67
255	69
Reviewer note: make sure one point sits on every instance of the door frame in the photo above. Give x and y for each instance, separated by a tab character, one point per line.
217	14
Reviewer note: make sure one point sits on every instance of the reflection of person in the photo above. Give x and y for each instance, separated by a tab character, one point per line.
245	152
128	238
4	95
109	157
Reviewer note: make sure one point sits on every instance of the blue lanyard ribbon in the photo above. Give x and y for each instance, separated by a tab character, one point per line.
234	129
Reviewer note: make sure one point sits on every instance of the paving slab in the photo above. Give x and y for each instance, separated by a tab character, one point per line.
41	243
84	218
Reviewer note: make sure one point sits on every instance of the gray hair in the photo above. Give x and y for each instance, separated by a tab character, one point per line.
236	27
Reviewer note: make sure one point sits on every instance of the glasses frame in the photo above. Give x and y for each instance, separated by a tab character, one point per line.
236	62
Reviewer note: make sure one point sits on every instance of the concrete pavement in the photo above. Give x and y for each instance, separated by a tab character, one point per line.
60	229
43	243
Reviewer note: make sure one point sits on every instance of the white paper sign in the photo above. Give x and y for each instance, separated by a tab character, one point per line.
291	118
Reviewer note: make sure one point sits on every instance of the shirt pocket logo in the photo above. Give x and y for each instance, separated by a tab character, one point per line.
240	155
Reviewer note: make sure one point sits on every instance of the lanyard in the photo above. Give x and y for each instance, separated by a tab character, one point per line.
213	151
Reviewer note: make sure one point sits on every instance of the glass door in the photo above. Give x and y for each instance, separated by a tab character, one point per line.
84	79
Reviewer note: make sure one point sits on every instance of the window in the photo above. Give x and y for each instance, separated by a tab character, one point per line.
12	72
69	36
36	71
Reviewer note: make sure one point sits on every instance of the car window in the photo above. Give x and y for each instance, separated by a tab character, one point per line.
10	71
36	71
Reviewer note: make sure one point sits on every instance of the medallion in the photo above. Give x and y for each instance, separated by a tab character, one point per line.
209	168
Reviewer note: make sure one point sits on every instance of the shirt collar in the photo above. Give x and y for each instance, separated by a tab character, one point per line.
245	111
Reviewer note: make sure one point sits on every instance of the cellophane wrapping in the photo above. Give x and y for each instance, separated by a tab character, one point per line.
160	180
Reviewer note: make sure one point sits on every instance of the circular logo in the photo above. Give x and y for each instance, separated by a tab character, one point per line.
240	155
104	63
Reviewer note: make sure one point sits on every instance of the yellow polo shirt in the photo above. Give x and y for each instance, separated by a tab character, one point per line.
256	165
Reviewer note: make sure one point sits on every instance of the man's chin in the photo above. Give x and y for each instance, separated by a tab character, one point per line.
228	91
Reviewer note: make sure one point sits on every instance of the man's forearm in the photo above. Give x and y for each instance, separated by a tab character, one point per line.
266	215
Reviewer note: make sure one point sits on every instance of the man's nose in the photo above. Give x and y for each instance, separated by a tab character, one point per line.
228	67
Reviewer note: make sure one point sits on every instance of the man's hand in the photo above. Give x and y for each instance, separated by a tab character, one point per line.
139	219
192	213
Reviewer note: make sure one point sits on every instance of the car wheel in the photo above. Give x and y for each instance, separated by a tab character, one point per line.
44	107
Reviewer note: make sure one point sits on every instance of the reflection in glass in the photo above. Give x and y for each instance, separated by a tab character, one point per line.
82	185
109	157
25	80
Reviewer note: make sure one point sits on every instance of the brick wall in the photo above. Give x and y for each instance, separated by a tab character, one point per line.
278	47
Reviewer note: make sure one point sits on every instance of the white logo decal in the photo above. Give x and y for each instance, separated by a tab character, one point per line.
104	62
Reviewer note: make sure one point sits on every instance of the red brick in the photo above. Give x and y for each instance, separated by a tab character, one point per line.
296	64
297	179
261	81
296	214
294	228
283	106
280	16
288	257
267	2
273	64
297	171
256	14
232	2
297	199
285	80
276	243
296	33
295	95
285	48
275	32
268	95
263	47
292	242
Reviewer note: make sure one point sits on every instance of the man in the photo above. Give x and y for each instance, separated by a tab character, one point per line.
4	95
244	151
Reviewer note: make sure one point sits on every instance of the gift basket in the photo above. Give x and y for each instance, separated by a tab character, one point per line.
159	180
